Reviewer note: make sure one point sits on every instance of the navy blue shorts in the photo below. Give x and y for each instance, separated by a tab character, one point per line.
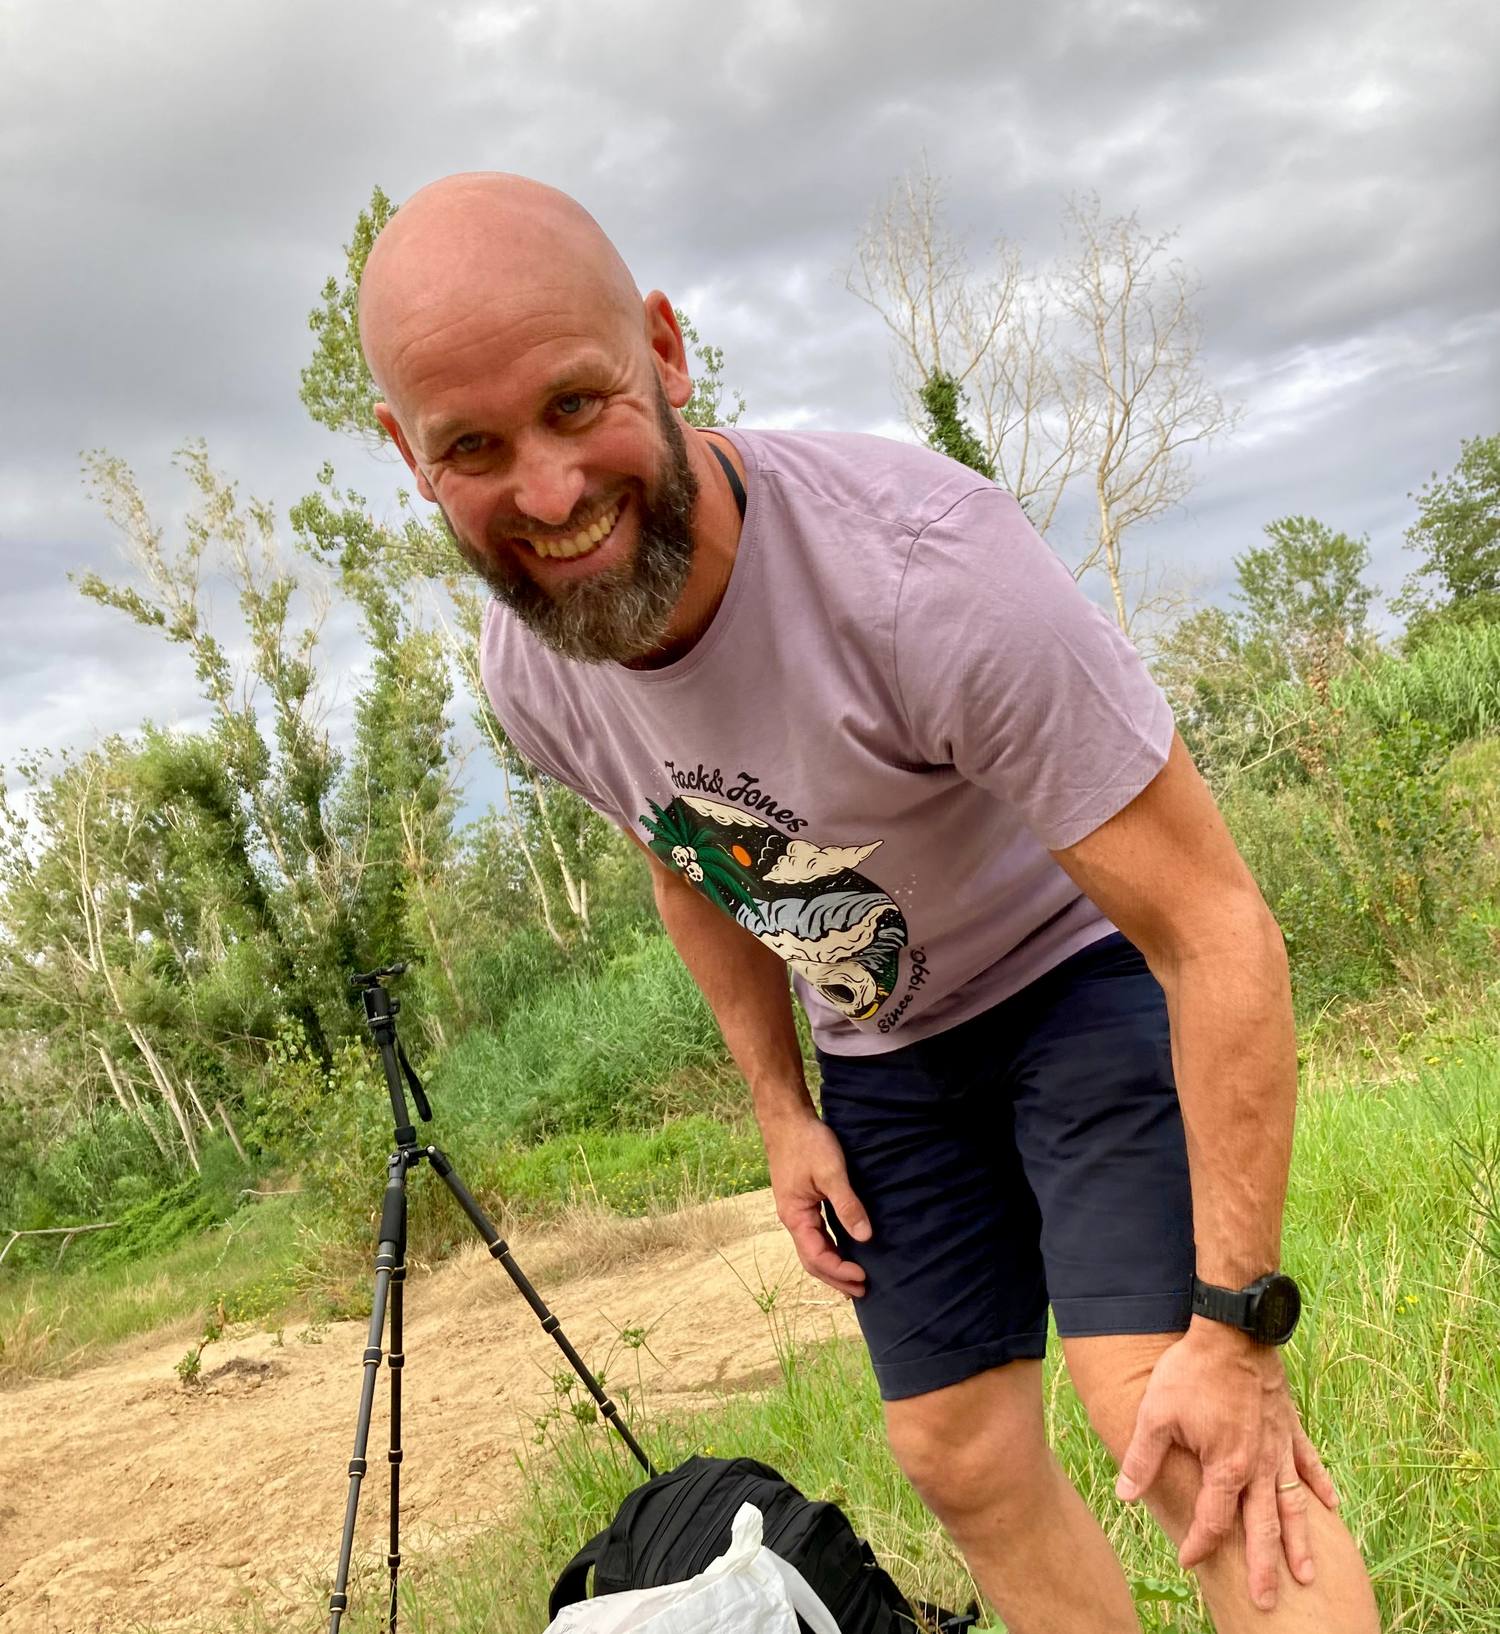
1031	1155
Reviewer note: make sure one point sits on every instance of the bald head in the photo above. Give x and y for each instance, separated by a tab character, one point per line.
486	250
533	392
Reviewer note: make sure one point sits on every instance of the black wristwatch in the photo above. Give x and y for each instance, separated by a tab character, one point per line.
1267	1310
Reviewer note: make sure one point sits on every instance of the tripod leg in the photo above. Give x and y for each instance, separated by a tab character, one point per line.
396	1360
391	1252
501	1251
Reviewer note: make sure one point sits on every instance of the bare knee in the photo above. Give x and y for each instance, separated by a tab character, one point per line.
976	1448
1110	1376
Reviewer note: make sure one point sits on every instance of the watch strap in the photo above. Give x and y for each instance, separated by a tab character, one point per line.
1228	1305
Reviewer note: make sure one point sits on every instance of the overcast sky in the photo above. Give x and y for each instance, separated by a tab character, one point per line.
176	180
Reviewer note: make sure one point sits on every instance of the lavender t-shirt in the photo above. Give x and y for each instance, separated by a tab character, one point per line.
901	704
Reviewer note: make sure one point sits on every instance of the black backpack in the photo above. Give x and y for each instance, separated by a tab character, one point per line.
673	1525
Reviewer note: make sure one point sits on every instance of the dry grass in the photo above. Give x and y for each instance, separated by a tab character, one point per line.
717	1091
1394	1034
588	1240
26	1343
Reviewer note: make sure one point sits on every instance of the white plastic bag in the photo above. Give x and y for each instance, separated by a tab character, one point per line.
747	1590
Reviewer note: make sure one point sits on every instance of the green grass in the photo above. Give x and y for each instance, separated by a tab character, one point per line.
1451	681
55	1321
589	1053
632	1172
1394	1192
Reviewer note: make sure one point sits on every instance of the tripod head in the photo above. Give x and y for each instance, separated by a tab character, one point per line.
373	978
380	1017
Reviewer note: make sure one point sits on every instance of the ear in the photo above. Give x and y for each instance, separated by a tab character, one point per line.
398	436
668	350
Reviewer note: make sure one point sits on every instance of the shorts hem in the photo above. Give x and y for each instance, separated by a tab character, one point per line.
1130	1313
898	1380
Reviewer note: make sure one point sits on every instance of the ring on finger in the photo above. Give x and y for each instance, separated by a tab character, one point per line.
1287	1486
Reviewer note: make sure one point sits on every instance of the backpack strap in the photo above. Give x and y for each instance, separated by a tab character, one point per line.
573	1585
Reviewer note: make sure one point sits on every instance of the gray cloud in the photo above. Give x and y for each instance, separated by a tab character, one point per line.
175	181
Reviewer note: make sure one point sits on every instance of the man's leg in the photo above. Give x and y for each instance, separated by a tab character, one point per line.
977	1454
1110	1376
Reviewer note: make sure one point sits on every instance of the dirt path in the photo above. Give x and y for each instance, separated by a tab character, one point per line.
128	1499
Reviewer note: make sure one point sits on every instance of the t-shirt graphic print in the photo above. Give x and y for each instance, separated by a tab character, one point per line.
808	903
901	706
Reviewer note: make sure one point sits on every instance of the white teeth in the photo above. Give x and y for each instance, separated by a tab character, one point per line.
581	543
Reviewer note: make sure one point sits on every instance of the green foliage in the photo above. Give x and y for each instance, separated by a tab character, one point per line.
246	1263
1306	601
589	1053
1369	863
1451	682
705	407
1235	677
395	806
159	1223
945	428
1457	533
632	1172
337	388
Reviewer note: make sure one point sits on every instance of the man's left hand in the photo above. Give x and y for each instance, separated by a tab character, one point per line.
1225	1399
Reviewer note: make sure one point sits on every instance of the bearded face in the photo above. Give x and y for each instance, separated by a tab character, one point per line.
622	612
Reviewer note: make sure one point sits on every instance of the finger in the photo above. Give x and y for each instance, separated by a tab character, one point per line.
1263	1547
819	1257
1213	1516
847	1206
1310	1469
1296	1534
1143	1457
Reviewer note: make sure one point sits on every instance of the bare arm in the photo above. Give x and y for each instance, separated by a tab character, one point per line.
1166	871
746	988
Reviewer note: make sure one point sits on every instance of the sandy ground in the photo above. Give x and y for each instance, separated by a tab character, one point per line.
128	1499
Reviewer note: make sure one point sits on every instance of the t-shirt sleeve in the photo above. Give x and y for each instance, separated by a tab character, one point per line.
1010	674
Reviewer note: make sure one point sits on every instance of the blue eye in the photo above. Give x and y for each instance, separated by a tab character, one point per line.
570	403
469	444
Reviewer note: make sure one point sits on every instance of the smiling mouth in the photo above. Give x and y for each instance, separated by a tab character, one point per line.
582	543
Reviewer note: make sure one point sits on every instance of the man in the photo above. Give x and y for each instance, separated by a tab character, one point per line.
865	726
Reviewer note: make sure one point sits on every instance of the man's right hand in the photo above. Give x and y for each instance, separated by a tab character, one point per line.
807	1169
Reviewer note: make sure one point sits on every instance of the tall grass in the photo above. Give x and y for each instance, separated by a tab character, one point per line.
588	1052
54	1321
1452	683
1395	1366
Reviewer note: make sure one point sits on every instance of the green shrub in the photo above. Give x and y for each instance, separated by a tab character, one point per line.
587	1053
1451	683
1368	863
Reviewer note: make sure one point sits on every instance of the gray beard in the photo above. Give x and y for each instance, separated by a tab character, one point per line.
621	613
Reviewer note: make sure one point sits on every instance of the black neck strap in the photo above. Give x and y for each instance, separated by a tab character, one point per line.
736	487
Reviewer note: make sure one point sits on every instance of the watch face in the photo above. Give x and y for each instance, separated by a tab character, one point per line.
1277	1308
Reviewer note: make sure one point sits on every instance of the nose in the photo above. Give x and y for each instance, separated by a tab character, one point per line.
548	481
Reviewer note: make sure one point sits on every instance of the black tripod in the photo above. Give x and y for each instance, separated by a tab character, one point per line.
390	1277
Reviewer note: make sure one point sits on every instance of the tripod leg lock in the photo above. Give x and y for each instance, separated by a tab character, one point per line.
373	1353
338	1602
550	1324
396	1359
357	1466
394	1455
